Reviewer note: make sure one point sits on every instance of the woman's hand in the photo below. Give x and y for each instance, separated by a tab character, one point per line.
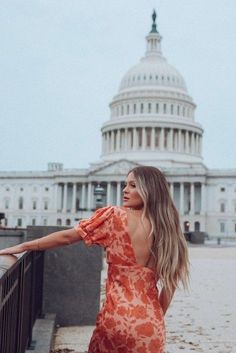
17	249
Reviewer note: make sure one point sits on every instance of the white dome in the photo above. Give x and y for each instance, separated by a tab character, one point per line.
153	71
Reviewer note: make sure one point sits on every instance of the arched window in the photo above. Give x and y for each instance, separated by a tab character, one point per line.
197	226
59	222
20	203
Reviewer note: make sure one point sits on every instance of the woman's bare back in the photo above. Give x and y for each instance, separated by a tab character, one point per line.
139	229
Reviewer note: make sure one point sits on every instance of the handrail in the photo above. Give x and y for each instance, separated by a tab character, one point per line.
21	286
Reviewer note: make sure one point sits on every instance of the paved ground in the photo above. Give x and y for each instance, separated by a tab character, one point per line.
202	320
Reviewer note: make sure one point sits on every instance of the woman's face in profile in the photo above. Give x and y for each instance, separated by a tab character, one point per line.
131	197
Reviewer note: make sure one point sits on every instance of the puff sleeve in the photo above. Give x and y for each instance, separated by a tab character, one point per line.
98	229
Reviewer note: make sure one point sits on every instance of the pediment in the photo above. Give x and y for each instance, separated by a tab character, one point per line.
121	167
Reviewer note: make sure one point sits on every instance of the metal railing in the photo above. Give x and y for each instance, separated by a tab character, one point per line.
21	292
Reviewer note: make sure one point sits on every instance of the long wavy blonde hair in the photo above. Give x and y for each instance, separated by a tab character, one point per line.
169	246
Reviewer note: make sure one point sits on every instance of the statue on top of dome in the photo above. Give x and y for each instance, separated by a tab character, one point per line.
154	26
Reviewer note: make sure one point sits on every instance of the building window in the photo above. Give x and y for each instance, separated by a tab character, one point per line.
45	222
34	205
20	203
164	108
68	223
122	110
21	189
7	189
46	189
19	222
141	108
46	205
222	189
234	227
172	109
157	108
149	107
6	221
33	222
58	221
134	108
6	204
222	227
127	109
178	110
222	207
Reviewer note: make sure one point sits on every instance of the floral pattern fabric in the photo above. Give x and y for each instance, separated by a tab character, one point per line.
131	319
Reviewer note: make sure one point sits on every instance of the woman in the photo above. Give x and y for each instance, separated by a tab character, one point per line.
145	246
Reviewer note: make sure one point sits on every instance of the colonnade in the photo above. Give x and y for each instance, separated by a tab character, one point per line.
189	197
152	138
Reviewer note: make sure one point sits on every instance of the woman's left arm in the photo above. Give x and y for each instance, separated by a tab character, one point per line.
165	298
53	240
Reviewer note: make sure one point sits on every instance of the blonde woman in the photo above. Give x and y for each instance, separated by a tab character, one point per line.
145	246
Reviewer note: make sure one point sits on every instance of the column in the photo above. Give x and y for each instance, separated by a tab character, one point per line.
118	193
89	199
192	199
126	139
181	198
112	141
144	142
153	139
197	143
162	139
83	196
192	142
135	142
179	141
73	208
187	141
170	140
56	196
200	145
64	207
203	198
108	193
118	140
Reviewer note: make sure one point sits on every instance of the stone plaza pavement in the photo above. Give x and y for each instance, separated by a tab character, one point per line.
202	320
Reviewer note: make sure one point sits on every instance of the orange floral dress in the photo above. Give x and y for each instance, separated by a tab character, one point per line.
131	319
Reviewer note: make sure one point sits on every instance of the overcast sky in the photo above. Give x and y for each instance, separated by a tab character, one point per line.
61	62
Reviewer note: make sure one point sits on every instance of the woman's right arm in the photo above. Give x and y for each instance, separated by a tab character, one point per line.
53	240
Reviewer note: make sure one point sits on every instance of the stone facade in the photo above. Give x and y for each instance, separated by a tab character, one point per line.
152	123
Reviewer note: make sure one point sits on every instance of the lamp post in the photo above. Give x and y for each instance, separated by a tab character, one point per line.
99	193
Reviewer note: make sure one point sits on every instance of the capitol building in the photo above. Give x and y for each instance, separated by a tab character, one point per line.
152	122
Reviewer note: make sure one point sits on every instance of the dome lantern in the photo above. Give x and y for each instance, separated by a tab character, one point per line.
154	40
